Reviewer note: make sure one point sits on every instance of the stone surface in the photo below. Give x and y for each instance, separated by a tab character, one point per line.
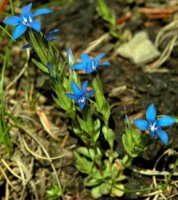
139	49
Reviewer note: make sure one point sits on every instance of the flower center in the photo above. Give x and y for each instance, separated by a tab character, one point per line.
27	21
93	65
82	99
153	127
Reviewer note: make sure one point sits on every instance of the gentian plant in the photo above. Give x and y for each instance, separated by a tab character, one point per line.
97	156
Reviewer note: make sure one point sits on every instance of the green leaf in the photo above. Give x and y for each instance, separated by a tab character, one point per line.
101	190
62	100
105	188
94	155
41	66
117	190
133	142
87	115
107	169
46	51
109	16
101	103
79	132
91	181
99	96
83	164
54	193
39	45
105	12
91	129
127	142
126	161
95	192
83	124
108	135
96	131
106	111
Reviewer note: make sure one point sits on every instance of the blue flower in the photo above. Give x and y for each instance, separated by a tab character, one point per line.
90	65
153	125
25	20
80	96
48	37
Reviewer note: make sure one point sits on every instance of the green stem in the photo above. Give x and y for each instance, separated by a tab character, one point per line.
12	7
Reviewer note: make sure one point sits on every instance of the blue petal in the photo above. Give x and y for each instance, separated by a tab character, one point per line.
151	113
102	64
163	136
98	58
26	10
152	134
90	93
79	66
84	87
19	30
13	21
166	121
42	11
89	70
50	33
52	38
81	105
36	25
141	124
72	96
105	64
85	57
75	89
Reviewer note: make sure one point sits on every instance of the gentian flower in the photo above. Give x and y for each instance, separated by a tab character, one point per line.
80	96
25	20
48	37
153	125
90	65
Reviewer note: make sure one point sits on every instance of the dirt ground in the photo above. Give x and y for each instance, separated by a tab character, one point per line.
130	88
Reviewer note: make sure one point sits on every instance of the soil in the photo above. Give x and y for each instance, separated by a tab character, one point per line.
129	88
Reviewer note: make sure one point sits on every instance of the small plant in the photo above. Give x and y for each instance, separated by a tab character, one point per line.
54	193
89	110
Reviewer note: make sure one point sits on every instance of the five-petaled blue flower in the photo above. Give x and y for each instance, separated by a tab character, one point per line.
153	125
80	96
25	20
90	65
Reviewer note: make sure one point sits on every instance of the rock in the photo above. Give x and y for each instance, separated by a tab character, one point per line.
139	49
